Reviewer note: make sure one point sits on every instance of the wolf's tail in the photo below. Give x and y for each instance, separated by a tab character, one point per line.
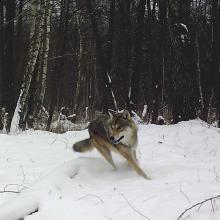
83	146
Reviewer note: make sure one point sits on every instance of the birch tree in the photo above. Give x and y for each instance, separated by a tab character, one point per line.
36	30
84	75
43	68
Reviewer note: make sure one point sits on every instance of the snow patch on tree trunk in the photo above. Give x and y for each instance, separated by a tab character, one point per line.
16	117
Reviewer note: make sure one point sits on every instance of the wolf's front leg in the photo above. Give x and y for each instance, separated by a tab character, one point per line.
129	156
100	145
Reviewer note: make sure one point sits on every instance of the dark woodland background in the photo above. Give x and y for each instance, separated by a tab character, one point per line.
89	56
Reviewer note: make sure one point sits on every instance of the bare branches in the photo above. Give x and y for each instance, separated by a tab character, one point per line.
31	213
199	204
21	186
9	191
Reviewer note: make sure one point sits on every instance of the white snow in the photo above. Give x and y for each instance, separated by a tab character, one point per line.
183	161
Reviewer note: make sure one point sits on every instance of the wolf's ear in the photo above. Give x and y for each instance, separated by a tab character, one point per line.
126	114
111	113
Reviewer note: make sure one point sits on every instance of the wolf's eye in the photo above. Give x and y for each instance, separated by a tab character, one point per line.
119	127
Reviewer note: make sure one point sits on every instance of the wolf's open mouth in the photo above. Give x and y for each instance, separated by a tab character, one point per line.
117	141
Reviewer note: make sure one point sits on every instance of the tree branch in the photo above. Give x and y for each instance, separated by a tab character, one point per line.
9	191
199	204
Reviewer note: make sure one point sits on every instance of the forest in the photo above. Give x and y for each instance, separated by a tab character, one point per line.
79	58
109	109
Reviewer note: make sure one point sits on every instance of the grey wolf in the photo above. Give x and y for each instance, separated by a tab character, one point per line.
116	132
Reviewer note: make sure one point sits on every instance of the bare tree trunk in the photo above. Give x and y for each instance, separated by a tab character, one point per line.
46	47
152	69
1	49
40	79
198	71
215	53
102	79
109	54
19	47
163	56
109	46
123	67
37	16
57	78
136	64
9	72
83	77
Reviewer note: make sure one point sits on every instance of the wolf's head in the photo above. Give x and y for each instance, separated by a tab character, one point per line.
122	129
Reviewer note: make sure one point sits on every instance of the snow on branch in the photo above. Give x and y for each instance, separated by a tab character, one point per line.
112	93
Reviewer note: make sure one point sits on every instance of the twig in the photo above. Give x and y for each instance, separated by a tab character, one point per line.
31	213
13	184
61	56
23	174
216	174
9	191
74	175
140	213
199	204
185	195
91	195
14	19
149	198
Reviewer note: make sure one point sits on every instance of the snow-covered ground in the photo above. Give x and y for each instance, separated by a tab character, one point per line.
183	161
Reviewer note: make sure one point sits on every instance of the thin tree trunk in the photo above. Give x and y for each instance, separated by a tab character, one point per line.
19	47
46	47
198	71
215	53
9	72
109	53
42	63
136	64
1	49
83	75
109	46
152	69
57	78
102	78
163	9
124	54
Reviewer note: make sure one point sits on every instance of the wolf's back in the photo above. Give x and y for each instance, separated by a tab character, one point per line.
83	146
97	128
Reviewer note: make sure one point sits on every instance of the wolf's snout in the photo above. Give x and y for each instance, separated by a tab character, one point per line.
112	139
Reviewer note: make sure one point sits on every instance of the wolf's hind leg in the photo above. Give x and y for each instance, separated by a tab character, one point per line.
106	153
